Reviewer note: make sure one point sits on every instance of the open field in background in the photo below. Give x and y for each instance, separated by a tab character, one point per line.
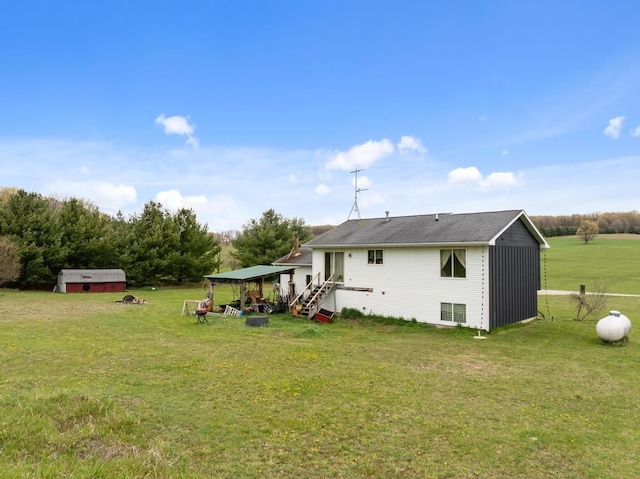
92	388
612	261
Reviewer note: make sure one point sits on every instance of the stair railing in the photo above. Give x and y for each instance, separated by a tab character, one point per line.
312	302
308	286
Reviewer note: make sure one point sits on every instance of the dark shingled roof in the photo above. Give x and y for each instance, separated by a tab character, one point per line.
302	257
480	228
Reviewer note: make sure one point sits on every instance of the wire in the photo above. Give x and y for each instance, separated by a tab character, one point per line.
546	296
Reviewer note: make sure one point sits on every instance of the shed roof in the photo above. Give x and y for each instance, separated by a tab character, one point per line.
434	229
92	275
247	274
302	257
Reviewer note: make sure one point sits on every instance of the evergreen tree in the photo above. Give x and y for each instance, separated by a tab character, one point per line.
199	251
161	248
269	238
84	236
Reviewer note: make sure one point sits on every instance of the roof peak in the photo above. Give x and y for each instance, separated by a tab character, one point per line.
425	215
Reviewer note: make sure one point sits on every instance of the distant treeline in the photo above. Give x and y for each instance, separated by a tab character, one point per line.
608	223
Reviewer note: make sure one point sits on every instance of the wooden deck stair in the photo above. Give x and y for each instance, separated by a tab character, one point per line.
318	295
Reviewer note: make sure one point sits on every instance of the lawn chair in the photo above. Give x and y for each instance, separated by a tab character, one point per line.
202	310
201	315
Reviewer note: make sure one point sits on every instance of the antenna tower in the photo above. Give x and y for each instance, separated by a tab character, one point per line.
357	190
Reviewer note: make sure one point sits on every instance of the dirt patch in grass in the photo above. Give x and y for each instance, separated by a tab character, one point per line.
462	366
50	309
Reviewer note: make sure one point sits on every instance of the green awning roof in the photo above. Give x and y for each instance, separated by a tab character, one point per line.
247	274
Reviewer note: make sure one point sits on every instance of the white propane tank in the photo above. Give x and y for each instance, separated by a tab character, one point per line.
613	327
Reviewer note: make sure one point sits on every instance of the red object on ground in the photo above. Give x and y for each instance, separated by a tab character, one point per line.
324	316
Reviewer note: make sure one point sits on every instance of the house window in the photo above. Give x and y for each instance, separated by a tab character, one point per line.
453	313
374	256
453	263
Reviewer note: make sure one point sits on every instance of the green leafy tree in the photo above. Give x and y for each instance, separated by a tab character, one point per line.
28	220
587	230
264	240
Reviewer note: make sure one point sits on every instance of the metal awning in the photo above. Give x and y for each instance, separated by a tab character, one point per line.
251	273
245	275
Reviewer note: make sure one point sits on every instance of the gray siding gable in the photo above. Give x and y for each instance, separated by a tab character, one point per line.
517	235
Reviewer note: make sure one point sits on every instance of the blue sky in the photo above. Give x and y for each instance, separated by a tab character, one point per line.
235	107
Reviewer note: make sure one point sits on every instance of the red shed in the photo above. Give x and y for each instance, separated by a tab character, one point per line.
91	281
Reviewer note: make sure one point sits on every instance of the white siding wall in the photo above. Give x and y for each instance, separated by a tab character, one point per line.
299	278
409	285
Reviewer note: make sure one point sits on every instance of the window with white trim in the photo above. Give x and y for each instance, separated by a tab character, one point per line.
453	263
453	312
375	256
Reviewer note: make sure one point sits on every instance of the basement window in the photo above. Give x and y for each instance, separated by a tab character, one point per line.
453	313
453	263
375	256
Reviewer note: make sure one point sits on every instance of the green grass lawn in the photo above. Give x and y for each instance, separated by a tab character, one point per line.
611	261
92	388
96	389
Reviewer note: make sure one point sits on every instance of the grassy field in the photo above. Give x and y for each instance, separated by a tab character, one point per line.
612	261
93	388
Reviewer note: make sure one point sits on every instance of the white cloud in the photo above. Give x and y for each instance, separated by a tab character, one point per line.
504	152
499	181
364	182
360	156
323	189
614	127
494	181
463	175
371	199
125	178
636	132
292	178
108	196
483	118
178	125
409	144
173	200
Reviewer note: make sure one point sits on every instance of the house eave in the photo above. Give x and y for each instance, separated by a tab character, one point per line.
401	245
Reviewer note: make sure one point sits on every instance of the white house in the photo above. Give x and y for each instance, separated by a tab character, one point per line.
479	270
293	283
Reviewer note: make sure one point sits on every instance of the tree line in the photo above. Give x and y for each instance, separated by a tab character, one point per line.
41	235
608	223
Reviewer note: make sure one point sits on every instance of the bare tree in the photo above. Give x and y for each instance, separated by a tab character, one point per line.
590	304
587	230
9	260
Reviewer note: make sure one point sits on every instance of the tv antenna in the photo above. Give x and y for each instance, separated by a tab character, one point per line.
357	190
